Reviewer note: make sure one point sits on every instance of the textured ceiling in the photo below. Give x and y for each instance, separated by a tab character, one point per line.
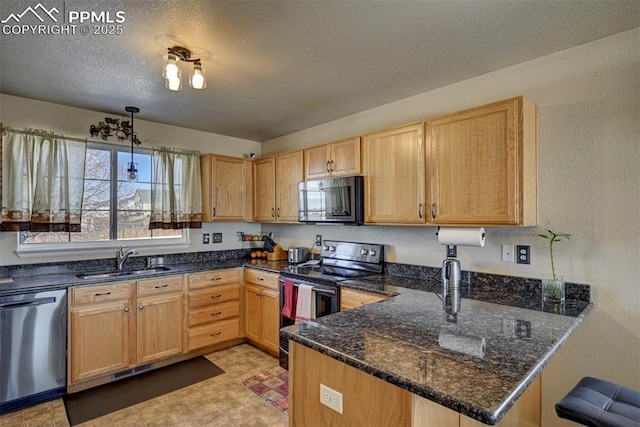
276	67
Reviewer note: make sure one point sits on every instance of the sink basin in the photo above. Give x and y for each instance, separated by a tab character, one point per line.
123	273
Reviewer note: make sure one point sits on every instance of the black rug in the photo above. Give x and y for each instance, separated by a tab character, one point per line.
99	401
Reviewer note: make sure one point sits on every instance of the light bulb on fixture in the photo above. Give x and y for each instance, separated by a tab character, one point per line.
172	74
132	169
196	77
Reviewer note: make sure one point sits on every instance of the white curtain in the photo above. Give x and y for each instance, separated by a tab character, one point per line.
176	190
42	181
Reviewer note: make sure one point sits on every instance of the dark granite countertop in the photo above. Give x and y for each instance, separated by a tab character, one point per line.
407	340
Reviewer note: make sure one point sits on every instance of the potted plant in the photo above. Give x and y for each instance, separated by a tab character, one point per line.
553	287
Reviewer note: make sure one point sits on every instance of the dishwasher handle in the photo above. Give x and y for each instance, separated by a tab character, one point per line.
27	303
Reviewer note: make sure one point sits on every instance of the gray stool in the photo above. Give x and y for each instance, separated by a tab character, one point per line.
599	403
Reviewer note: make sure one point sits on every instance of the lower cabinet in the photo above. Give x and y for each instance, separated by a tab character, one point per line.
262	310
117	326
214	307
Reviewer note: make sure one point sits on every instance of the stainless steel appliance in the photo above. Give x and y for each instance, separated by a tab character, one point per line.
338	261
451	292
297	255
332	200
33	342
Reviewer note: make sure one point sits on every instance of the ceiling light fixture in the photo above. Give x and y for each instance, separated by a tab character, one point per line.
172	73
132	170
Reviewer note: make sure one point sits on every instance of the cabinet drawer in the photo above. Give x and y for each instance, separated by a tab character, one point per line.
214	295
214	333
258	277
100	293
159	286
213	313
219	277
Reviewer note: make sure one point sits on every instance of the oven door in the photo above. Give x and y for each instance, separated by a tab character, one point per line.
326	302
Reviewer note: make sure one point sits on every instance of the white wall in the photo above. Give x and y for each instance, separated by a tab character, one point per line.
588	101
21	113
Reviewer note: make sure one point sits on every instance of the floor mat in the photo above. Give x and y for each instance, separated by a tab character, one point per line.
272	386
99	401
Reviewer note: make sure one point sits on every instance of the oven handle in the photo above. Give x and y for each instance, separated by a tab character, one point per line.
323	290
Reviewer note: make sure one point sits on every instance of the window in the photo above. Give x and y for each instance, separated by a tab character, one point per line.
113	209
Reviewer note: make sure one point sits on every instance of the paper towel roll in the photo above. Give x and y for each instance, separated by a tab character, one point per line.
461	236
472	346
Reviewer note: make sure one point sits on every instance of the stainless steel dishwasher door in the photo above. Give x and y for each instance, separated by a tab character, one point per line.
33	342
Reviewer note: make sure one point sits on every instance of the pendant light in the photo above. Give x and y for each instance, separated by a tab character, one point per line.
132	169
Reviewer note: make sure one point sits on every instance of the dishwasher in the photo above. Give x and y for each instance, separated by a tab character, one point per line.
33	342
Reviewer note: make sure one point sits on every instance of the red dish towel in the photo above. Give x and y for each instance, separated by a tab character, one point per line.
290	299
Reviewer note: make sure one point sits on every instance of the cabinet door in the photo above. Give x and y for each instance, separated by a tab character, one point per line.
474	158
100	338
345	157
264	190
289	172
394	170
227	189
270	319
159	327
253	313
317	162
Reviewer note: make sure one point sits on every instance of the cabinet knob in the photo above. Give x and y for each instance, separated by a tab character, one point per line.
434	210
273	213
331	169
126	310
420	211
328	170
216	334
214	211
161	286
141	307
218	313
103	294
216	296
259	278
213	279
278	212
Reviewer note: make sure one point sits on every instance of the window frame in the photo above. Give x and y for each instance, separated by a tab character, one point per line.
100	247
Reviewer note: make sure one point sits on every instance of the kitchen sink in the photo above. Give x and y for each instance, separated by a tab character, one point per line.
123	273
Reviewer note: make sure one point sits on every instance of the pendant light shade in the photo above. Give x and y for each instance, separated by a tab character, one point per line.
132	169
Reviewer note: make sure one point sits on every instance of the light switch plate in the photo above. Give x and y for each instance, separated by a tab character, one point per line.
508	254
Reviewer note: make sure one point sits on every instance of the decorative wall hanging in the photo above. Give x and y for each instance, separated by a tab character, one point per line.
113	127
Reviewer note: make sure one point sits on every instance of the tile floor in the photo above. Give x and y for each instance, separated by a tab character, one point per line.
219	401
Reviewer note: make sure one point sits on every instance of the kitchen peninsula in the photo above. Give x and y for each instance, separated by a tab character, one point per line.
404	361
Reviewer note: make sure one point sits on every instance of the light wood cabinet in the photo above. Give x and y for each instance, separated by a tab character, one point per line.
117	326
394	175
275	184
100	326
335	159
262	310
213	307
353	298
225	189
483	163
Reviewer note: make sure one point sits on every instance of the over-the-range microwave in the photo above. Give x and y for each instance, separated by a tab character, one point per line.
331	201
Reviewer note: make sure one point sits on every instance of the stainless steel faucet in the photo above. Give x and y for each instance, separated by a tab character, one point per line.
122	254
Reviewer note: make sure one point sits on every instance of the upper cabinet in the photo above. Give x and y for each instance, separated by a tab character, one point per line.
226	192
394	175
275	181
484	166
336	159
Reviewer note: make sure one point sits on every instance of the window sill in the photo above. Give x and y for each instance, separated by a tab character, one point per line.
97	249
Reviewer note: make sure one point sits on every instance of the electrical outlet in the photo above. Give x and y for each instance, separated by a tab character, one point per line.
205	238
331	398
452	251
523	329
524	254
508	254
216	237
319	239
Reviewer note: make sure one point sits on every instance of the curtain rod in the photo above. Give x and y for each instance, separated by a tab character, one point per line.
87	140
